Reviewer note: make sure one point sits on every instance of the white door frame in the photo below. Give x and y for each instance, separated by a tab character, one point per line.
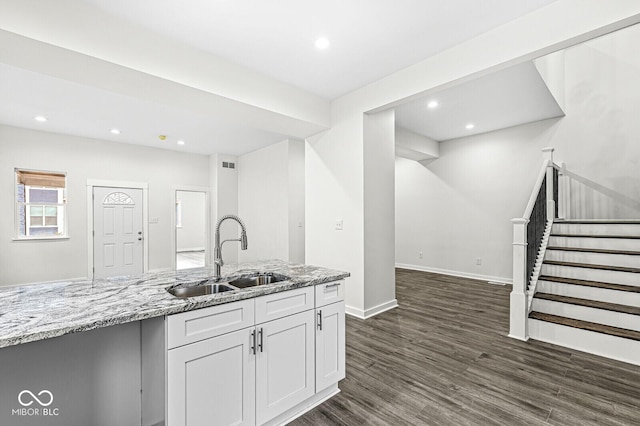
145	218
207	221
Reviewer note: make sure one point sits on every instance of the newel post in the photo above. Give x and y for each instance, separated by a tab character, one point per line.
519	307
551	204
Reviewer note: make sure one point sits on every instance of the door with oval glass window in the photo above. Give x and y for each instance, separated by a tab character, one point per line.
117	232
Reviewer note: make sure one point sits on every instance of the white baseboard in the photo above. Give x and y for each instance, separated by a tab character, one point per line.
368	313
181	250
488	278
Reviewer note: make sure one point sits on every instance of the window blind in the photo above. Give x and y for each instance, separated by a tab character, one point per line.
46	179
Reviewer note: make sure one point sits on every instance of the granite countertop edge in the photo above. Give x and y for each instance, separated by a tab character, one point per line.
29	313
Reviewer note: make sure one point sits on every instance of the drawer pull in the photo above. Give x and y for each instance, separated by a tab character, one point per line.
332	285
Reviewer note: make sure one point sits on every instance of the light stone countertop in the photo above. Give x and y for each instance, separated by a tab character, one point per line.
41	311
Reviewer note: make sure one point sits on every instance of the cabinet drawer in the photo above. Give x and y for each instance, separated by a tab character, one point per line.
329	293
193	326
279	305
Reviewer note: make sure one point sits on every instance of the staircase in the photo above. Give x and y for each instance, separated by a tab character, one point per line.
588	292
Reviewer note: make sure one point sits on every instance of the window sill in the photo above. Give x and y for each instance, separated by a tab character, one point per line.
62	237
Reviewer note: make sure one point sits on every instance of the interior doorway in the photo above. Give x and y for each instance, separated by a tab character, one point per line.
191	230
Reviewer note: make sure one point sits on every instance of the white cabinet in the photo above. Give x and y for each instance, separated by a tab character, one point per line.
330	345
255	361
212	382
285	365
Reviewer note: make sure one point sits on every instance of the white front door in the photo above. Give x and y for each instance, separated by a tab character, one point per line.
117	232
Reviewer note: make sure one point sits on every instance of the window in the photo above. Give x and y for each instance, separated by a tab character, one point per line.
40	204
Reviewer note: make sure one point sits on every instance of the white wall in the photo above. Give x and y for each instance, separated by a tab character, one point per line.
224	200
379	237
271	201
414	146
191	235
84	159
458	208
334	165
296	201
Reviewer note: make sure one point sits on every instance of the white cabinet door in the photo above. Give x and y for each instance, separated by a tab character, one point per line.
330	345
285	365
212	382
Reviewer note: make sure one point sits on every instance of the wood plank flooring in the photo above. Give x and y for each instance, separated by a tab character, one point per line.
443	358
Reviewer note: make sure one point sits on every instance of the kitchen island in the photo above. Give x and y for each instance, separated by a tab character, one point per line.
116	371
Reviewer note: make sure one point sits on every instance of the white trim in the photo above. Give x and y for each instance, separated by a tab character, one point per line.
183	250
371	312
91	183
601	344
488	278
513	336
36	238
207	221
305	406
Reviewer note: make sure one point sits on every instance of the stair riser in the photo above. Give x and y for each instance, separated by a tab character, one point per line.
596	229
632	261
613	277
597	243
585	313
625	350
590	293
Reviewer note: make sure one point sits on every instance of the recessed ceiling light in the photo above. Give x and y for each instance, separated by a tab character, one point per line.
322	43
115	131
162	137
40	118
469	126
180	142
432	104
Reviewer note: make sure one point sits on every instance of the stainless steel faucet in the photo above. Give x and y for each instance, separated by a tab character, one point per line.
217	261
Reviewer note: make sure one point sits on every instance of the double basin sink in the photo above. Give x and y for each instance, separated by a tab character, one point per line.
211	286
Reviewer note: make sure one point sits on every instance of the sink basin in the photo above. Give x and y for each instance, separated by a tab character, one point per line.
259	279
199	290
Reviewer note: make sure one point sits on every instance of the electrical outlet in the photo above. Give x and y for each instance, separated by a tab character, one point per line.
339	225
420	255
478	261
153	220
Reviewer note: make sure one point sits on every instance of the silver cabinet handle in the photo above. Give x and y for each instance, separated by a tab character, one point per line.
320	320
253	341
260	342
332	285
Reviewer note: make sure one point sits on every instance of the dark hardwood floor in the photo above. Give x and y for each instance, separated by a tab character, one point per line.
443	358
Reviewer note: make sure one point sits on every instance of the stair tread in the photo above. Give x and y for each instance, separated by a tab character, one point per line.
587	283
595	250
586	325
600	221
627	237
625	309
593	266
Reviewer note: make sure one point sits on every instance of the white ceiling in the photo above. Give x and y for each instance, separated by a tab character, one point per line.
506	98
73	108
369	40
